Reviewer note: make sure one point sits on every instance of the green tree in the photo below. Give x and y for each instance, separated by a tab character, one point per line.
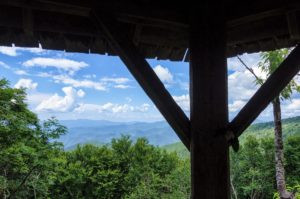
268	64
25	150
252	169
292	156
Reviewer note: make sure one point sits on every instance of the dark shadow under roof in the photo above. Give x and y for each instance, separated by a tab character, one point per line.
158	28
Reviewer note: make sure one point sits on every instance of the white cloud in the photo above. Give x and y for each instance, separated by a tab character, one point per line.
143	108
13	51
80	93
4	65
119	80
79	83
68	65
90	76
164	74
111	108
250	59
35	98
21	72
122	86
43	74
294	104
236	105
38	50
59	103
241	86
183	101
10	51
26	83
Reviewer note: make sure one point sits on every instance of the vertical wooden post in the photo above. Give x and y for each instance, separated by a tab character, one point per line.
208	94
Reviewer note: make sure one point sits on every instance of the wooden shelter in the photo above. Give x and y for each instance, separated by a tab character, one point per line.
204	33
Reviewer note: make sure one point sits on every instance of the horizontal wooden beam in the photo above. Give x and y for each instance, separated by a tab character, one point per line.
267	92
144	74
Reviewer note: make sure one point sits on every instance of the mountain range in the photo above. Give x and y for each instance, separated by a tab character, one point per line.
102	132
290	126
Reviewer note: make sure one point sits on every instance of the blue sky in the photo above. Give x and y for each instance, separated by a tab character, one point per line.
91	86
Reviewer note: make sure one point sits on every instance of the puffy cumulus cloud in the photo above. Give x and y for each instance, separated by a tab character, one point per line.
79	83
26	83
250	59
35	98
293	104
118	80
241	85
163	73
68	65
236	105
58	103
4	65
111	108
183	101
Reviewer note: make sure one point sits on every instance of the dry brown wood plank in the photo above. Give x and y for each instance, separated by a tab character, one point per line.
145	75
267	92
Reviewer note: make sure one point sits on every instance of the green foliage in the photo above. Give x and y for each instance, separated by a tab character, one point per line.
292	157
178	148
295	189
252	168
25	150
124	170
32	165
269	63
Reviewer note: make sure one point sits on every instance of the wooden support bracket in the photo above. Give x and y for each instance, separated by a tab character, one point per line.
143	73
267	92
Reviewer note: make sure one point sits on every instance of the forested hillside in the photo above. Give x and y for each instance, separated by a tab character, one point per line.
253	166
33	166
291	126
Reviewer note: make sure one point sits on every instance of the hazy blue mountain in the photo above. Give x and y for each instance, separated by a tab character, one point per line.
88	123
101	132
290	126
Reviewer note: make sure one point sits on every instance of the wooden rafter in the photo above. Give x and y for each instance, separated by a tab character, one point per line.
165	26
144	74
267	92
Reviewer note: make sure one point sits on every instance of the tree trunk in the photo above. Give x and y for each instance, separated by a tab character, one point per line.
233	191
278	142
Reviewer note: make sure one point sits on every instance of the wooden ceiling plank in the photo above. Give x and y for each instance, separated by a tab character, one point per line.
293	25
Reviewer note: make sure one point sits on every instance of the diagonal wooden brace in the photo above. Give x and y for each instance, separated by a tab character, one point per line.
267	92
143	73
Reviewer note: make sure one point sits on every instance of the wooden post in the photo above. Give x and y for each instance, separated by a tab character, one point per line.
208	94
